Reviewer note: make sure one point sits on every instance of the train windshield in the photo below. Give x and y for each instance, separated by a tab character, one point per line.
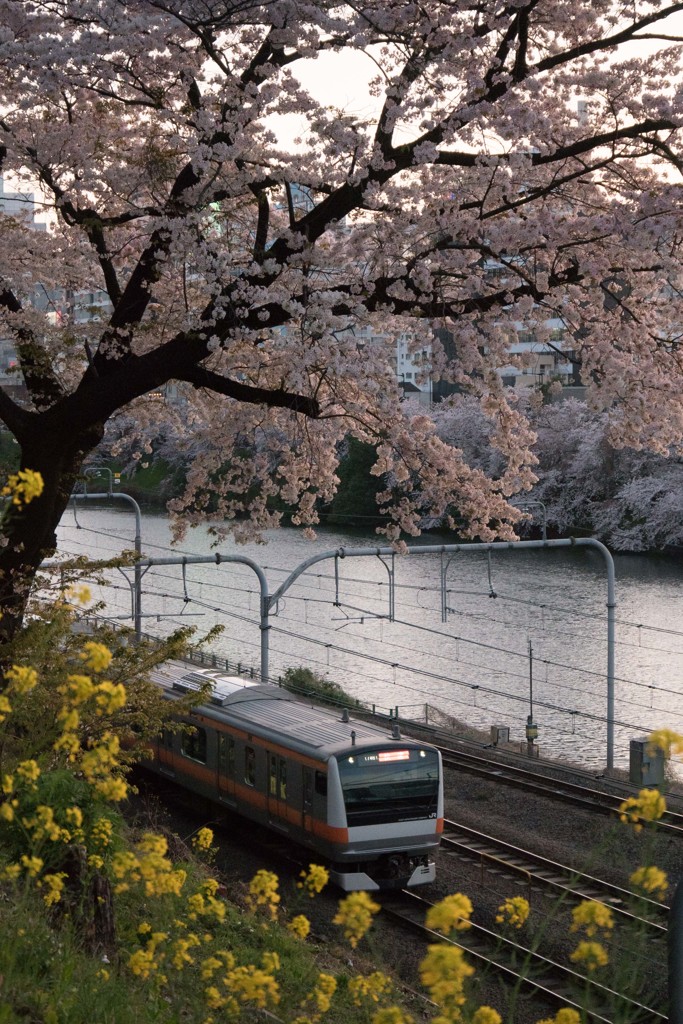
389	785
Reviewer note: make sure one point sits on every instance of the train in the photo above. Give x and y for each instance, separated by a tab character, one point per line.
367	801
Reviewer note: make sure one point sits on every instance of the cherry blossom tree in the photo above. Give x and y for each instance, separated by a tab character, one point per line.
261	247
628	498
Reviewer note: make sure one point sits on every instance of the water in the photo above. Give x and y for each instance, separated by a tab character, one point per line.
525	631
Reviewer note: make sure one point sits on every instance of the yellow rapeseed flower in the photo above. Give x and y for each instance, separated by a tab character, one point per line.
96	656
649	805
214	999
78	688
514	911
391	1015
23	487
31	865
314	880
591	916
299	926
101	831
55	887
369	987
6	811
110	697
321	996
251	984
29	772
444	971
21	678
591	954
113	790
5	707
74	815
450	914
666	740
181	957
354	915
209	967
203	840
263	892
651	880
486	1015
566	1015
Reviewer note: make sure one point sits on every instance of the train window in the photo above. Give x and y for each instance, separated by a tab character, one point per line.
193	744
231	757
390	784
283	779
321	783
250	766
272	775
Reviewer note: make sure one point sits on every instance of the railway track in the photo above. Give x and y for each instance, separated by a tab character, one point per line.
525	968
539	873
561	790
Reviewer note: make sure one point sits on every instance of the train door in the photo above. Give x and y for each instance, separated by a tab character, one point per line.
225	768
277	790
165	756
307	799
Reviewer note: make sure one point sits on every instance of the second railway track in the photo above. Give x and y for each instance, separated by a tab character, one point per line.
539	873
562	790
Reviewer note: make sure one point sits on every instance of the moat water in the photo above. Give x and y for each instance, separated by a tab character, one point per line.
525	630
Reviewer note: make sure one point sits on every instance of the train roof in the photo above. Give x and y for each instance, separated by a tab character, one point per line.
273	712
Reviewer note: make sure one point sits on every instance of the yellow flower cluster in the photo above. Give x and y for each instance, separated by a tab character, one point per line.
450	914
54	885
444	972
486	1015
149	866
314	880
391	1015
321	996
299	926
354	915
43	826
651	880
591	954
180	954
96	656
649	805
263	893
592	917
145	963
100	761
370	987
564	1016
21	678
203	840
666	740
241	985
23	487
204	902
514	911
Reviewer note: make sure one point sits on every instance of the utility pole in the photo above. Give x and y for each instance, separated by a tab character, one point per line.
531	727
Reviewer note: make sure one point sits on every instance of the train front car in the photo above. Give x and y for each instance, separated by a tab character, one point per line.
389	798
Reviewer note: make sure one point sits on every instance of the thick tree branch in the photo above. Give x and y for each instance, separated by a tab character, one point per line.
273	398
